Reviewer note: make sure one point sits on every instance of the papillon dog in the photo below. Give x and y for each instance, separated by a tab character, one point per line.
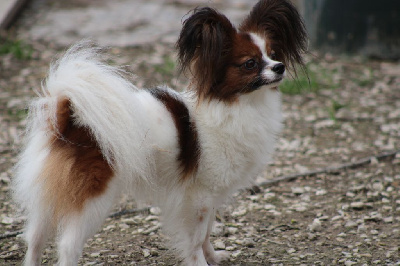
92	135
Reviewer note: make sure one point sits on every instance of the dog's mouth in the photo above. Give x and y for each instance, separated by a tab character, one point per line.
274	81
266	82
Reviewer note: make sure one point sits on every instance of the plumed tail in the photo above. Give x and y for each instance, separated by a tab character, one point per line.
81	90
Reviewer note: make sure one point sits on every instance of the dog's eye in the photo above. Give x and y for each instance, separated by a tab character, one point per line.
250	64
272	55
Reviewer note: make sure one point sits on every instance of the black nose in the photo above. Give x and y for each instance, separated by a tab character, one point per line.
279	68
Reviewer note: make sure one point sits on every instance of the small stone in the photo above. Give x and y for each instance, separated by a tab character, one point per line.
350	194
110	227
337	217
298	190
95	254
349	263
269	207
240	212
291	251
146	253
315	226
7	220
218	229
232	230
236	254
123	226
321	192
230	248
151	229
360	205
248	242
218	244
377	186
311	236
361	228
385	200
154	252
374	232
260	255
388	219
155	210
366	255
350	224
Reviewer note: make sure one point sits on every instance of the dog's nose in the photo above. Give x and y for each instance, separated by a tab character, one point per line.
279	68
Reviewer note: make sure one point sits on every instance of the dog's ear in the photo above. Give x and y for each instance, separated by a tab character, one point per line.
280	23
203	46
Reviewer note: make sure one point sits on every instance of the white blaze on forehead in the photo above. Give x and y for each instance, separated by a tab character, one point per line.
266	73
260	42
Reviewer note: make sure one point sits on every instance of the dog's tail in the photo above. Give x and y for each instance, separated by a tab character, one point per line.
84	93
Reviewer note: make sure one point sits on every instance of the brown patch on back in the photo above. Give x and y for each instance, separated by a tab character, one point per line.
189	153
75	169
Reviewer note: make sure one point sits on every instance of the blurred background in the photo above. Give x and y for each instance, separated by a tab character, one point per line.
341	118
369	28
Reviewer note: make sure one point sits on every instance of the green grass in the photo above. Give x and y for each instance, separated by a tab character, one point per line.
17	48
332	110
167	68
18	114
305	81
311	79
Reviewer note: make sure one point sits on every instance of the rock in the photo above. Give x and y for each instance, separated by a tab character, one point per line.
219	245
95	255
155	211
298	190
291	251
146	253
377	186
154	252
232	230
360	205
315	226
388	219
240	212
218	229
269	207
236	254
350	224
230	248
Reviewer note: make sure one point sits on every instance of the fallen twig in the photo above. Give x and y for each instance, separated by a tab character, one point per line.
330	170
11	234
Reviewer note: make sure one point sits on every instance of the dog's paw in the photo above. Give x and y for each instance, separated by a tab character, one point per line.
218	257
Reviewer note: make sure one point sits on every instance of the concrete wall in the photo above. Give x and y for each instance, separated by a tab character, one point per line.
368	27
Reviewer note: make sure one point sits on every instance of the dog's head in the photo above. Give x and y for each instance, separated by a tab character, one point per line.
226	62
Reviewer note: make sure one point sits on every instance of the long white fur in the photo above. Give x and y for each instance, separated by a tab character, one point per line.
137	135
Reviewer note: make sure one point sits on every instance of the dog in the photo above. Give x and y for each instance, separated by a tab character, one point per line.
92	135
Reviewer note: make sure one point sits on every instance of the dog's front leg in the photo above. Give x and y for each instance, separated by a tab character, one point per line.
213	257
197	212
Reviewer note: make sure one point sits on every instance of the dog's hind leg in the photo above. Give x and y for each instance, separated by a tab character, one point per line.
38	229
77	227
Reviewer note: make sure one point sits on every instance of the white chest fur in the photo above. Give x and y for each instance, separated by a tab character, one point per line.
237	139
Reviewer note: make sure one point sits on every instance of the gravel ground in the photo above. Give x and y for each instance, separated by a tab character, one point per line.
344	217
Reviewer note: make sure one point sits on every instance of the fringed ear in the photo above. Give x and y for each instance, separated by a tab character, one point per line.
203	46
281	24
